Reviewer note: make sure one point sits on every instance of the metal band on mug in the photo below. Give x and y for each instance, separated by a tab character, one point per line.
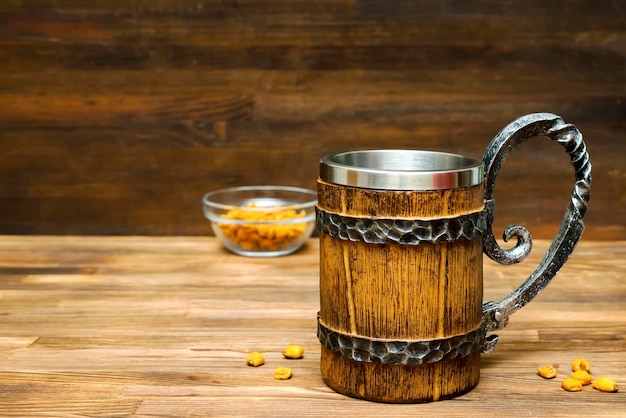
411	352
401	231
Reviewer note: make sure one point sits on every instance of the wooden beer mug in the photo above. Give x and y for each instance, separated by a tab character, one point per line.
402	235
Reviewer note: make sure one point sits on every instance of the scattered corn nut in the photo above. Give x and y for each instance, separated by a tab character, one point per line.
581	364
547	372
604	384
580	377
255	359
282	373
293	352
584	377
572	385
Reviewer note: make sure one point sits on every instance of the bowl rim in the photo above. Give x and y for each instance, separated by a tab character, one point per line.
210	204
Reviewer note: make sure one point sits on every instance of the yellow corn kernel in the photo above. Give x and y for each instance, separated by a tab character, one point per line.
268	244
263	230
255	359
282	232
584	377
247	245
604	384
581	364
242	234
547	372
293	352
572	385
282	373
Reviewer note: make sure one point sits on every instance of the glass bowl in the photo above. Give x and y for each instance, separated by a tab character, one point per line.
261	221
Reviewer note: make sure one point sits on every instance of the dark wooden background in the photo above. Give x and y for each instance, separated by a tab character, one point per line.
116	116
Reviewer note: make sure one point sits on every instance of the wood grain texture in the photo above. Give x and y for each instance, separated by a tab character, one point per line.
105	110
160	326
428	204
400	292
117	116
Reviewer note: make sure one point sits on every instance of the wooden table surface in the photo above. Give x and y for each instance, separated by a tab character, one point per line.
151	326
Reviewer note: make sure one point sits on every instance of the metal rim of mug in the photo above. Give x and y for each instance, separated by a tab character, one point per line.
400	169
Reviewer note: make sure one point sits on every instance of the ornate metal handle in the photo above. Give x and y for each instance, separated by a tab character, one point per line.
495	315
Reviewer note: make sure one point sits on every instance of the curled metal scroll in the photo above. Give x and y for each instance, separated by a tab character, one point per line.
552	126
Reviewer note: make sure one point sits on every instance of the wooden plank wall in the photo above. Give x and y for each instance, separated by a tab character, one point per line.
116	116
